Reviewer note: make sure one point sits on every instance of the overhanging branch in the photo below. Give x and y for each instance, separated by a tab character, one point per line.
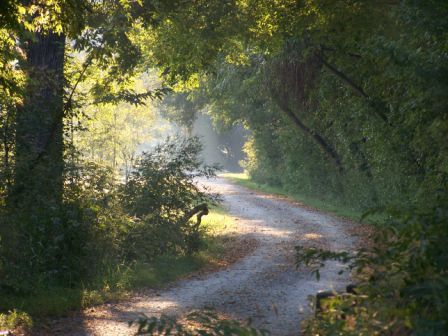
327	148
355	87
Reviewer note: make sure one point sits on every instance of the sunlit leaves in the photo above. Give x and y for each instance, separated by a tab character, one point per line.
118	122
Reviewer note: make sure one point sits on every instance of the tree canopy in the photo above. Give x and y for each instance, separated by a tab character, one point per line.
344	100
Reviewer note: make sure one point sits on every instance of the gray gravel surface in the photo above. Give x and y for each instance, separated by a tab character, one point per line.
264	285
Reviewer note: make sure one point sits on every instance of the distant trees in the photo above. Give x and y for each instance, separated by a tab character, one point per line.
110	133
346	100
358	81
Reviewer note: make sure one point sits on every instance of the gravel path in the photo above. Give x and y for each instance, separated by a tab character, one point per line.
264	286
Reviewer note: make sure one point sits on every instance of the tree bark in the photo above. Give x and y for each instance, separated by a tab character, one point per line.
7	144
39	125
199	210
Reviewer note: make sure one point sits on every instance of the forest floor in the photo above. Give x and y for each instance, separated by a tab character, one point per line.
264	285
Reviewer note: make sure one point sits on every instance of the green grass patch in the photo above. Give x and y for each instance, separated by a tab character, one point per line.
244	180
115	282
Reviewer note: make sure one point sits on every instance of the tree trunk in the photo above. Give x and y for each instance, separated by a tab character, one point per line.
7	138
39	127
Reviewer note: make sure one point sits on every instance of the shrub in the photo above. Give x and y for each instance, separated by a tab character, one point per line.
159	194
403	286
103	222
196	323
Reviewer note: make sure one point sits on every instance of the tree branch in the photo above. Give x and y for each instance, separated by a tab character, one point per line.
356	88
81	75
199	210
331	153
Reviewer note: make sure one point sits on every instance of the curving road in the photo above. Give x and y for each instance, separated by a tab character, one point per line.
264	285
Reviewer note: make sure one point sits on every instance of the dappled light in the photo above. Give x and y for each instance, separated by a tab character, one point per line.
250	167
312	236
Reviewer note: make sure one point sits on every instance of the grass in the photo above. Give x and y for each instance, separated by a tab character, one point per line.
216	225
244	180
117	281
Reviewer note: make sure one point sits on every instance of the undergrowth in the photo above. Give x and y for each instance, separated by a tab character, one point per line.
116	282
111	236
402	286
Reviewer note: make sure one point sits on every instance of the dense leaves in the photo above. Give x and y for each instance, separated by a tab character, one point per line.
348	105
203	323
103	220
345	100
159	194
402	287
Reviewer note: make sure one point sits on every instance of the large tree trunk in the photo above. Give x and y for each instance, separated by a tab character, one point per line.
39	128
31	237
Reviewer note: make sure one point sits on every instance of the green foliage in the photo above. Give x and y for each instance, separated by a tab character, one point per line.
402	278
15	319
46	234
55	243
160	192
368	81
132	97
204	323
363	87
112	134
346	102
179	108
104	222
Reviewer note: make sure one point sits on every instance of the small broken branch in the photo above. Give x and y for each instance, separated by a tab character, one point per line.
199	210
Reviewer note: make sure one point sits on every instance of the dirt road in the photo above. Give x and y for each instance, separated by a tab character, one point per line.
264	286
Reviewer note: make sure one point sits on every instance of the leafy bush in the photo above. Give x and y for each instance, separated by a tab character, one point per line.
15	319
403	284
50	245
103	222
160	193
204	323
